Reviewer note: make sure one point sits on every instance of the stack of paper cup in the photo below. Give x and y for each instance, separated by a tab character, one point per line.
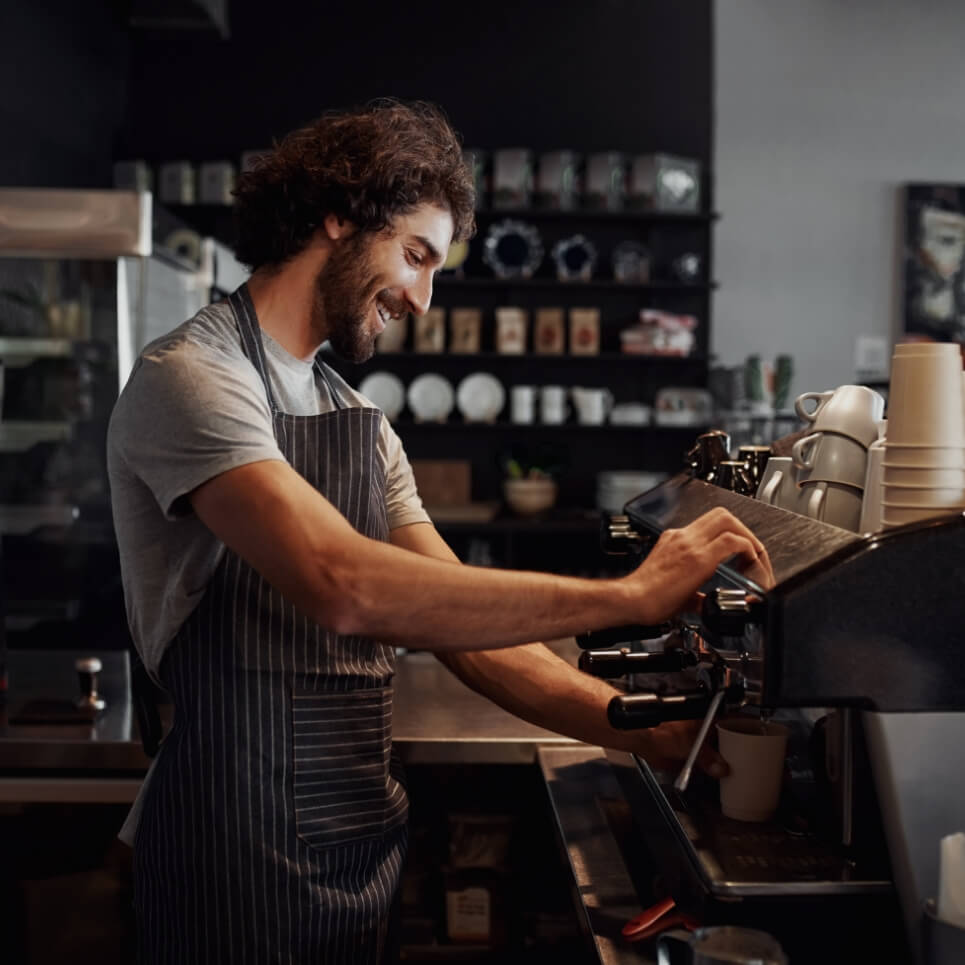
924	461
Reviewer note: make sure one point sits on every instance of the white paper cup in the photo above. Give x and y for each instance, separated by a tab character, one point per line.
925	401
754	752
927	348
907	496
893	516
924	457
919	478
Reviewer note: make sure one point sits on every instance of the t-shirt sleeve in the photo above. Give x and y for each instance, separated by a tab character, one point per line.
402	503
187	414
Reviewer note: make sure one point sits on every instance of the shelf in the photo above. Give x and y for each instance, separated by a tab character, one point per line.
546	214
19	350
407	425
26	519
601	214
21	436
588	523
424	358
444	281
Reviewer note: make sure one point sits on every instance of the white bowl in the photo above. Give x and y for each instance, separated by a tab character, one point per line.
528	497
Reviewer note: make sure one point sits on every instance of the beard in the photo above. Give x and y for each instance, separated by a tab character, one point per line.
344	293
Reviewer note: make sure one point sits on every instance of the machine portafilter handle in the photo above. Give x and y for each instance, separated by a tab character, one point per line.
642	710
617	663
612	637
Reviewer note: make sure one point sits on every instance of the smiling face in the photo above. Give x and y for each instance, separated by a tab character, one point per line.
369	278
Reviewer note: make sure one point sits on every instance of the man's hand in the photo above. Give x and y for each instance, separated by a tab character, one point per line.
666	748
683	559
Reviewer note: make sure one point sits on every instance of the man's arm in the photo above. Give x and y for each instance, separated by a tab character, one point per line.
535	684
307	550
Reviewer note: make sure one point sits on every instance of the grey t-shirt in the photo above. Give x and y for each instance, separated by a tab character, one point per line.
193	408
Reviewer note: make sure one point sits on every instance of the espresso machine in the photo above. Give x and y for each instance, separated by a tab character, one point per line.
857	647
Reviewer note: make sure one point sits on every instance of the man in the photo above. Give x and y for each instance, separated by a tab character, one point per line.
274	550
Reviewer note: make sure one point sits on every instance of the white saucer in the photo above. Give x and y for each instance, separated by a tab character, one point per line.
480	397
430	397
386	391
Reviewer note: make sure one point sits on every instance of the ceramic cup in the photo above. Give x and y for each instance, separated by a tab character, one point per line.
830	457
522	404
870	521
755	753
831	502
552	404
778	477
592	405
849	410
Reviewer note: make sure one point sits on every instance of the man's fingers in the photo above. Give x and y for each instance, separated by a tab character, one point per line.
710	762
728	544
720	520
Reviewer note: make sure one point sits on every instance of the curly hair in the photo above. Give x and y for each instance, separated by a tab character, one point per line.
367	165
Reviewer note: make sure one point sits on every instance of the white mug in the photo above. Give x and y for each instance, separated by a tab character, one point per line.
592	405
522	404
552	404
849	410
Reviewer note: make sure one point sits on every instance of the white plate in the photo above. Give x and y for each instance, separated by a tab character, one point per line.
431	398
480	397
386	391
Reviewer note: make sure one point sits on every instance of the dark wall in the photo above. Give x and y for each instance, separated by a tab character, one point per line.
584	74
63	71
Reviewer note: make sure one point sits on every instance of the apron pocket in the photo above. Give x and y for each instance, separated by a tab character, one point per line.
344	790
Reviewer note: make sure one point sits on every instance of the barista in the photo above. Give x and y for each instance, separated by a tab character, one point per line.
274	552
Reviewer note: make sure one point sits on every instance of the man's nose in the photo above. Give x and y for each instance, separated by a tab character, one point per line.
419	294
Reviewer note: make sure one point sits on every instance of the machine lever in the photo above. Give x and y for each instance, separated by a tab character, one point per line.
683	778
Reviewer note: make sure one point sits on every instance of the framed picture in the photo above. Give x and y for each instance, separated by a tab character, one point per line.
934	262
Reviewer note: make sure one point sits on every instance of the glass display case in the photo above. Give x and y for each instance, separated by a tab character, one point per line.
83	287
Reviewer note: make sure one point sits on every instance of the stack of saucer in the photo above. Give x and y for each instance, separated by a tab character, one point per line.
924	458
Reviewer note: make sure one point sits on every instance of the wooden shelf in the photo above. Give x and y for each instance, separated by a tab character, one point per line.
601	214
474	359
21	436
444	281
458	425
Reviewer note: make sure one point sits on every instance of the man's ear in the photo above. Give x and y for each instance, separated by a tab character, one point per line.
336	227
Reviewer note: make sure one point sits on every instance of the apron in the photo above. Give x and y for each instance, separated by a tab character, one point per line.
274	825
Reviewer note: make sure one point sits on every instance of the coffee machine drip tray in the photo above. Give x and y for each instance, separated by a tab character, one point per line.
705	855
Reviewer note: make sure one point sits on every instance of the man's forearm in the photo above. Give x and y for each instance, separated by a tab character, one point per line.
537	685
442	605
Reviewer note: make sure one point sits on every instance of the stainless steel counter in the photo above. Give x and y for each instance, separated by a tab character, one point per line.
437	719
581	784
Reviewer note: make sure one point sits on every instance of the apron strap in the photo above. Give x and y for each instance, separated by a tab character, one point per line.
320	372
254	348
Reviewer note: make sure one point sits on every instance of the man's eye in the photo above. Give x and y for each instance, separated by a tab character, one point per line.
415	258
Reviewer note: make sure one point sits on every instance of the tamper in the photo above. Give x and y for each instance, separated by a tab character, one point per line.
87	670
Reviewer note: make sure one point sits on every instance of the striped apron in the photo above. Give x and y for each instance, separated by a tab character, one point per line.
274	824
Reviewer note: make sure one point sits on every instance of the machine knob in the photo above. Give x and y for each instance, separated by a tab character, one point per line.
727	611
619	538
